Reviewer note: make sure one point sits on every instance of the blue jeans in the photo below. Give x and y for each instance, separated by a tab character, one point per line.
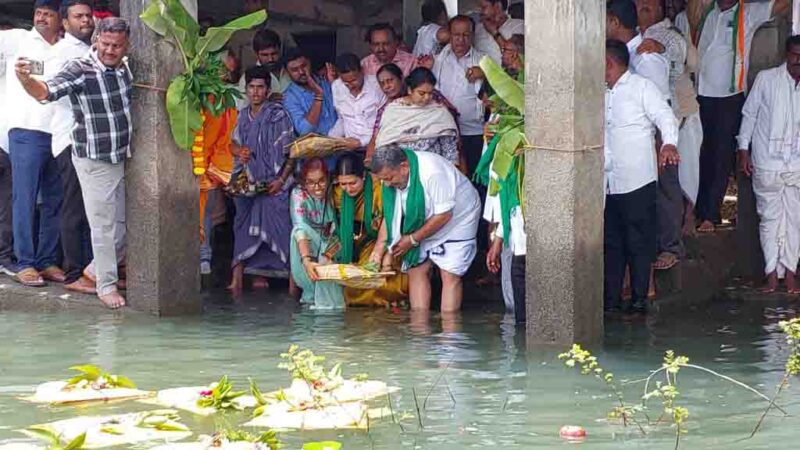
34	173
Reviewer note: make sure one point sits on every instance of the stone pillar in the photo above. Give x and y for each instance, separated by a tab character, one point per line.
162	193
564	93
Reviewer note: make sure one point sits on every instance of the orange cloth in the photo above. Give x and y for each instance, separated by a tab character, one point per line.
217	138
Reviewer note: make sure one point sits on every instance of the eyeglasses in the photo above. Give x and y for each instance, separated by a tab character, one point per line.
316	184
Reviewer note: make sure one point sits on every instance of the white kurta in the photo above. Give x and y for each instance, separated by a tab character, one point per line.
453	247
771	123
66	50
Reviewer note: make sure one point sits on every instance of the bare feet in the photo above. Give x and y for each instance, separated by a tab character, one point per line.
236	279
666	260
82	285
260	283
772	284
651	290
294	290
113	300
791	283
706	226
688	220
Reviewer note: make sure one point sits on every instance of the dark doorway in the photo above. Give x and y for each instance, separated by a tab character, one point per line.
320	46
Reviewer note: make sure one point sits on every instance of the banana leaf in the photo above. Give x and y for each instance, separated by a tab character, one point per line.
184	22
216	37
508	89
160	18
507	147
183	108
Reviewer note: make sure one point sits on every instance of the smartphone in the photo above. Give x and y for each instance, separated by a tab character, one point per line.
37	67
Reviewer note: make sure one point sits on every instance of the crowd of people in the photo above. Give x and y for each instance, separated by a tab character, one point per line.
417	185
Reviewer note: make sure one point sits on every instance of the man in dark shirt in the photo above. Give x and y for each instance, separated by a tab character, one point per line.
99	88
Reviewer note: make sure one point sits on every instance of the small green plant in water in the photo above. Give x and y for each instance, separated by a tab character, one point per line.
327	445
269	439
791	328
55	440
96	378
220	395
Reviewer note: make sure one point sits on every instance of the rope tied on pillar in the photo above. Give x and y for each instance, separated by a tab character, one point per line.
585	148
148	86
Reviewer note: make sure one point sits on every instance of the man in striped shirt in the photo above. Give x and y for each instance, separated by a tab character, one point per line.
99	88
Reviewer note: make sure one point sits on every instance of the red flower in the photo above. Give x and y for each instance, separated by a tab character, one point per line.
317	384
207	393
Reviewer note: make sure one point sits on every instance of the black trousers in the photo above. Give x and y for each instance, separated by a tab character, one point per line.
721	119
669	207
630	240
74	226
518	286
6	202
473	149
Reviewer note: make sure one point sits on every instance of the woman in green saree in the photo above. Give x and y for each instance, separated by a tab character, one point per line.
357	199
313	220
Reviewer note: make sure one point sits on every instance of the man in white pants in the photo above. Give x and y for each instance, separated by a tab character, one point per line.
771	123
99	87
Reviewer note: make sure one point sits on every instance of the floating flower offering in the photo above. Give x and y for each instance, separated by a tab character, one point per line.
204	400
91	385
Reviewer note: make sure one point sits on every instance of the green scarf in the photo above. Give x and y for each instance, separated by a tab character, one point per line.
510	194
481	175
347	220
414	217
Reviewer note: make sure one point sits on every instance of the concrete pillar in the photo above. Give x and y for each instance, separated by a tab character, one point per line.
162	193
565	47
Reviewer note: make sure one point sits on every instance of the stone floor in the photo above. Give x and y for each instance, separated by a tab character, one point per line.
53	297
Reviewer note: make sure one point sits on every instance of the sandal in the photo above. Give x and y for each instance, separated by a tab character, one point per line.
706	227
30	277
666	261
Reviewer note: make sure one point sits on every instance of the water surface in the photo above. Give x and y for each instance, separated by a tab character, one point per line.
475	383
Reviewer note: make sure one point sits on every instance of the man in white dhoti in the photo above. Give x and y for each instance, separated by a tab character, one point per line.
424	224
771	123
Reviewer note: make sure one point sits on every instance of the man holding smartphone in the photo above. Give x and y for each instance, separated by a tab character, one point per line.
34	170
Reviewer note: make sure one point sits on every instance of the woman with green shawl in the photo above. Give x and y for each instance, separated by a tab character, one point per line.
313	221
357	199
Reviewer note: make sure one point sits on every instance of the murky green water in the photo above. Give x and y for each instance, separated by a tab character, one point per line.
491	393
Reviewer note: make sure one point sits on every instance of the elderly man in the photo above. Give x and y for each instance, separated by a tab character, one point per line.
78	24
634	108
495	27
383	45
357	98
431	214
770	124
99	87
34	170
725	35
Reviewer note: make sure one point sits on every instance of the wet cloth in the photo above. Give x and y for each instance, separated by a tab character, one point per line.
262	224
313	221
365	217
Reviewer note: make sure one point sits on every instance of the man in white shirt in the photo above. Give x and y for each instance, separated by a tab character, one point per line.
725	35
434	19
78	23
7	264
635	107
771	131
434	220
34	170
495	27
460	80
357	98
621	24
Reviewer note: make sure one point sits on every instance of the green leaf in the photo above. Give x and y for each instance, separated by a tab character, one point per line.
76	443
124	382
216	37
152	17
171	426
184	23
257	393
45	432
326	445
88	369
183	108
504	154
112	429
507	88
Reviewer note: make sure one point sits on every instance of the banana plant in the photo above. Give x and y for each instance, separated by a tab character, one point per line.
200	85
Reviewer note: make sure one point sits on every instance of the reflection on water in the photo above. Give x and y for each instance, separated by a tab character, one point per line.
474	381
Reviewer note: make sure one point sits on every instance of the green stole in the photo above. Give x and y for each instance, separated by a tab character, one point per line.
347	221
414	217
510	194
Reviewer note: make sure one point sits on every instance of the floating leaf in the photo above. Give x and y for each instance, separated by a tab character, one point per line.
326	445
76	443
